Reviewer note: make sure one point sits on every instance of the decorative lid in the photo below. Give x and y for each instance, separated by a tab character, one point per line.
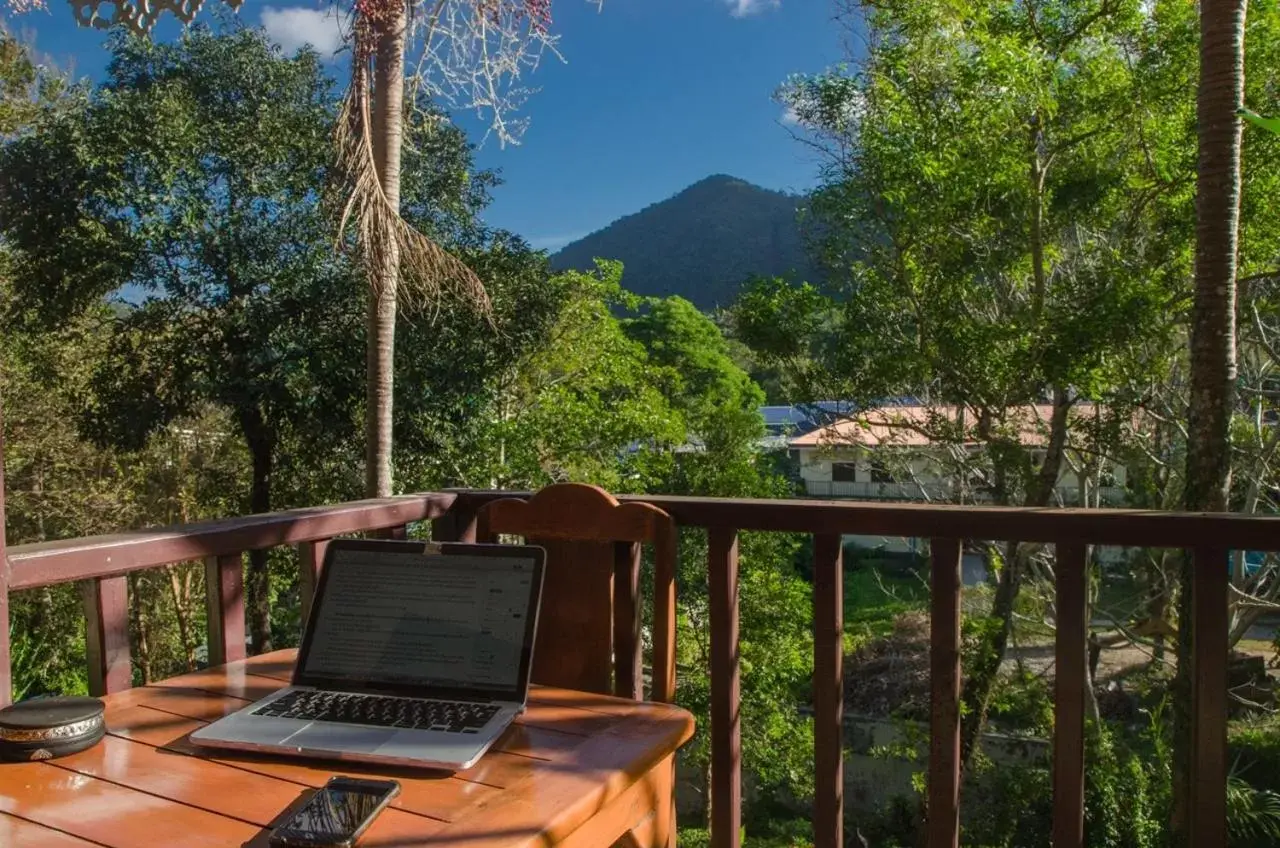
70	715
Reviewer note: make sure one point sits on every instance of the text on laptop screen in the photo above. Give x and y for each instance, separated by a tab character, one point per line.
407	618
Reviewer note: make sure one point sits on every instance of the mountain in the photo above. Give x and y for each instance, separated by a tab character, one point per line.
701	243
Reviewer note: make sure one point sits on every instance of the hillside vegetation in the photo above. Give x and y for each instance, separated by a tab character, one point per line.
702	243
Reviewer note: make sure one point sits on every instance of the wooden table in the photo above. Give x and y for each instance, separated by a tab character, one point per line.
576	770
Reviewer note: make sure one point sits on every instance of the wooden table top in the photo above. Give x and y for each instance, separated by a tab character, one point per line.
145	784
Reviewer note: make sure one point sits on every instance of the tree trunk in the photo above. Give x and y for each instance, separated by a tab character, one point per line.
1213	351
985	670
141	627
1158	599
388	103
1037	176
182	611
261	443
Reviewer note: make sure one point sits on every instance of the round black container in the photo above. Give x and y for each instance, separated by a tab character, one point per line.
45	728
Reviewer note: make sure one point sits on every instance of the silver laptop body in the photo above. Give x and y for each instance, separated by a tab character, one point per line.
415	654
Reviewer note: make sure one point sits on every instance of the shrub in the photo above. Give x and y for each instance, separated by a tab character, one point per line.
1254	746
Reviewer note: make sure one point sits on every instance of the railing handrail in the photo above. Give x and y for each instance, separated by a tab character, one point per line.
48	563
1105	526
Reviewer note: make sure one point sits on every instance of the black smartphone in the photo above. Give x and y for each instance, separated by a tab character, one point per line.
335	816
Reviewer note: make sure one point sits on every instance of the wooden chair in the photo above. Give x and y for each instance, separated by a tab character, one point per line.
589	628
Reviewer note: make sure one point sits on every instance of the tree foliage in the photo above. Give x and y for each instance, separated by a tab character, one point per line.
1004	219
192	178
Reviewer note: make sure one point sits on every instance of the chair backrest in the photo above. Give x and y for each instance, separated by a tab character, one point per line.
589	628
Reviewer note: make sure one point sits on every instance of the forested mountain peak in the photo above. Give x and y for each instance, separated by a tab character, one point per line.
702	242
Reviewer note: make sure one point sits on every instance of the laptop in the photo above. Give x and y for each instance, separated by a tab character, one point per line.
415	654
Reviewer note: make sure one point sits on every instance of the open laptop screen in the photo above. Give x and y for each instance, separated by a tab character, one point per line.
390	617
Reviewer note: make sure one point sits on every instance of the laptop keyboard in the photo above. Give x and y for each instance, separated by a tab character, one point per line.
381	711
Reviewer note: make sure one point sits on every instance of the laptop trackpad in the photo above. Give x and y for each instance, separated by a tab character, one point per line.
327	736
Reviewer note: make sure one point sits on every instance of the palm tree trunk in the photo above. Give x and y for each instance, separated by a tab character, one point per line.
1213	328
388	106
1213	349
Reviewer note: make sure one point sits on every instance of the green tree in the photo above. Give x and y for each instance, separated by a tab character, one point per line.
26	87
196	163
571	408
720	402
193	175
995	217
473	52
60	485
690	360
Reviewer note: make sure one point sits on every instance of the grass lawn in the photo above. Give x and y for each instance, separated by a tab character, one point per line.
875	593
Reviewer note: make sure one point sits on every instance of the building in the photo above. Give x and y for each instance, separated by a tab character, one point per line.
895	453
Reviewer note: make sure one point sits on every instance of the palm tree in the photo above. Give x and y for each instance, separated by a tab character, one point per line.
1213	333
470	47
474	51
370	137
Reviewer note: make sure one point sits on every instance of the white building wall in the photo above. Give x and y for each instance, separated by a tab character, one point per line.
925	481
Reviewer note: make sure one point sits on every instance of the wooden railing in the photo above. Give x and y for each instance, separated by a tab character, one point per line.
104	561
1071	531
101	564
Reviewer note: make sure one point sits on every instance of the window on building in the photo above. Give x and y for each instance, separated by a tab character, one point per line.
880	473
843	472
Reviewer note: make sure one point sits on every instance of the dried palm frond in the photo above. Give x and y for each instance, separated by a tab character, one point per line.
426	270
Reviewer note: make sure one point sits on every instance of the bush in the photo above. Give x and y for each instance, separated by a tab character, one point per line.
1254	747
1122	809
1006	806
1253	796
895	827
1023	703
1012	807
781	831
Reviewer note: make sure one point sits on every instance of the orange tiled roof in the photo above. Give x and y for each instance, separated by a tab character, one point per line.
911	425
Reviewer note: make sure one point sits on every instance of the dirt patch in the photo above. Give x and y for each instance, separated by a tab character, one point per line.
890	676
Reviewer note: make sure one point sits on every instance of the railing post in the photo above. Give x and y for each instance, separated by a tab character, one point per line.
224	596
1071	662
106	613
828	690
726	715
665	556
310	561
628	660
1210	653
456	525
944	682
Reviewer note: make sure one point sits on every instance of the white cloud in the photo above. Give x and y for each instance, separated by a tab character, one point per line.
295	26
745	8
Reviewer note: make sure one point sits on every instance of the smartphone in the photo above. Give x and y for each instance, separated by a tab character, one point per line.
335	816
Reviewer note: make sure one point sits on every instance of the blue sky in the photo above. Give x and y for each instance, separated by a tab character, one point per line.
654	95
